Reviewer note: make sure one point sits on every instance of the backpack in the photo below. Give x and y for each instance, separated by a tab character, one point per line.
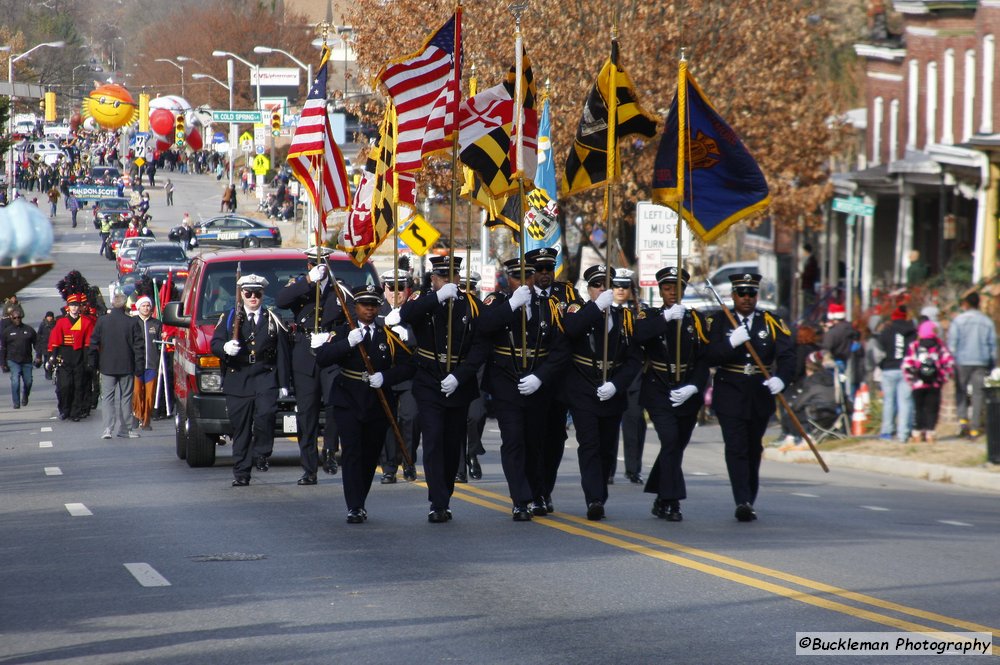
928	371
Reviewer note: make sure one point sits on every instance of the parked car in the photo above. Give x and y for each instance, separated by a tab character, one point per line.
700	297
237	231
200	416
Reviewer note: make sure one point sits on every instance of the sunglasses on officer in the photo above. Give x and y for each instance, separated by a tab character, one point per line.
746	292
253	293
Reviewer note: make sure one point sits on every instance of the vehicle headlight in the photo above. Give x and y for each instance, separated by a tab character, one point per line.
210	382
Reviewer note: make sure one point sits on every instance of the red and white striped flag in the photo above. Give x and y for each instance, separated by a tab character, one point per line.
314	155
425	88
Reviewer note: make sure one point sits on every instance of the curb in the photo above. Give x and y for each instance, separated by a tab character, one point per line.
964	477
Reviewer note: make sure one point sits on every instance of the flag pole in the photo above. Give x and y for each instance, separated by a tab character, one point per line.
454	176
518	8
318	203
473	85
612	170
682	146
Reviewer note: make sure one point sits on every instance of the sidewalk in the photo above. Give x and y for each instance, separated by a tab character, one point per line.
949	460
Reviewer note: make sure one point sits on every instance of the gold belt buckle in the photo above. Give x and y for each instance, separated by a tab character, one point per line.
364	377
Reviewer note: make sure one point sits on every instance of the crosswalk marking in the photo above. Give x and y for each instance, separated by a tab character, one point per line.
146	575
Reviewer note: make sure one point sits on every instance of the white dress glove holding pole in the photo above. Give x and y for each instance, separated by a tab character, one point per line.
775	385
232	347
604	300
449	384
317	274
447	292
680	395
401	333
606	390
673	313
317	340
529	384
355	336
392	318
738	336
520	297
375	380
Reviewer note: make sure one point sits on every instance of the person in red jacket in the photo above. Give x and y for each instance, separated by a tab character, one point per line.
68	343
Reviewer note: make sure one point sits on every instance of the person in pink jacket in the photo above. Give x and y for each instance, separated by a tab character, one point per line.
927	366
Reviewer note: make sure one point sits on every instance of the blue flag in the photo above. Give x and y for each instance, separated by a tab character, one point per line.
703	168
541	223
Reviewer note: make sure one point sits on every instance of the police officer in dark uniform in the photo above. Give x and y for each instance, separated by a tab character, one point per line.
361	418
475	420
672	399
443	385
396	289
527	355
311	381
256	371
596	392
562	294
743	400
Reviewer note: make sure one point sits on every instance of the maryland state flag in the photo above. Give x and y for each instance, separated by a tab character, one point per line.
588	164
703	168
373	212
487	133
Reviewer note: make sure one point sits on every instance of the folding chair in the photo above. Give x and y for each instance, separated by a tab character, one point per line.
832	421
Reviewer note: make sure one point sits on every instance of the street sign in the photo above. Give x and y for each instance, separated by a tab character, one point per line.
419	235
237	116
246	137
260	150
261	164
246	146
853	206
656	240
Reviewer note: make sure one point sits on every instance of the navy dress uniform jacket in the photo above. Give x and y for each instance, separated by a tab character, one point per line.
263	361
387	355
299	296
585	335
658	339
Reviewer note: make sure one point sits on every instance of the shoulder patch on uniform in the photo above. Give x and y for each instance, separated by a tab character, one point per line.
489	299
574	308
291	280
414	295
642	315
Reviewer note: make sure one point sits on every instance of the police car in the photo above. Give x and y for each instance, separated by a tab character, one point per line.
237	231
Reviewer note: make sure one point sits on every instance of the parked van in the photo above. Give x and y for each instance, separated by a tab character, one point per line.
200	416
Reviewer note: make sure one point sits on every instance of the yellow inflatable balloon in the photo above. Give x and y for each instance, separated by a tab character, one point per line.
111	106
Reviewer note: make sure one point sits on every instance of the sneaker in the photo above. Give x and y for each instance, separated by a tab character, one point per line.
107	434
885	437
132	434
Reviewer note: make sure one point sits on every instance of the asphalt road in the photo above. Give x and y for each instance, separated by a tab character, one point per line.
117	552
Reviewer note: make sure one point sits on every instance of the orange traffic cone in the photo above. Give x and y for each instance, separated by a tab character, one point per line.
859	419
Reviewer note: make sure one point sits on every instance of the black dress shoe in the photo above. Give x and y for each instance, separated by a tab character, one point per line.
261	463
538	508
355	516
745	513
549	508
634	478
673	512
611	480
409	472
388	478
595	511
307	480
521	514
475	471
439	516
329	462
241	482
659	508
460	477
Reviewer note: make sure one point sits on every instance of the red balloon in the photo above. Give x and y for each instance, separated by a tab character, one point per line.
194	138
74	122
162	145
161	121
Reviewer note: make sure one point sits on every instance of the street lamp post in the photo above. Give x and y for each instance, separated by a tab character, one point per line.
178	66
232	126
255	69
11	172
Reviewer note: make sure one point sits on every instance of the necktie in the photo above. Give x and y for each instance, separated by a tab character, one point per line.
368	336
746	323
253	320
545	294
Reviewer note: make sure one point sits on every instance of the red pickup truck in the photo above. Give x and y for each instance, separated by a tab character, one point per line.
200	418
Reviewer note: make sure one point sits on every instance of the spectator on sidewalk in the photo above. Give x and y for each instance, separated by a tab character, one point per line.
972	337
927	367
897	398
169	189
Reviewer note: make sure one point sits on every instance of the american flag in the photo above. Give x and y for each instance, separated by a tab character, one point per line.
314	152
425	88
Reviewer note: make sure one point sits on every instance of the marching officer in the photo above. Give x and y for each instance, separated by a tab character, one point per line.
527	354
396	289
475	421
743	400
672	397
360	415
562	294
252	344
68	343
311	382
595	391
444	385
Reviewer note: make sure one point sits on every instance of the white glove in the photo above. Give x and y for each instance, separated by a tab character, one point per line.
392	318
375	380
447	292
282	393
606	390
738	336
317	340
232	347
355	336
317	274
673	313
401	333
529	384
520	297
604	300
680	395
449	384
775	385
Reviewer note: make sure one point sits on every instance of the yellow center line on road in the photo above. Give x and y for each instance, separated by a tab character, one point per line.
615	536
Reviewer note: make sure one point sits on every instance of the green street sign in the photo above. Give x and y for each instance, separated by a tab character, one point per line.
247	117
853	206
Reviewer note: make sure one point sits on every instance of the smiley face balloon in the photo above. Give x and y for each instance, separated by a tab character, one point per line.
111	106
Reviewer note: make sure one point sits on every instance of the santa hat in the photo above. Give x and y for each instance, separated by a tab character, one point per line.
143	299
836	312
899	314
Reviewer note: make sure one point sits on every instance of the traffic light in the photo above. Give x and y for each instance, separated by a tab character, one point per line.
179	133
49	106
275	124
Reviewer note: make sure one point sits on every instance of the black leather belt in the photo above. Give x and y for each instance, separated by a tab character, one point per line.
532	353
438	357
748	369
591	363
